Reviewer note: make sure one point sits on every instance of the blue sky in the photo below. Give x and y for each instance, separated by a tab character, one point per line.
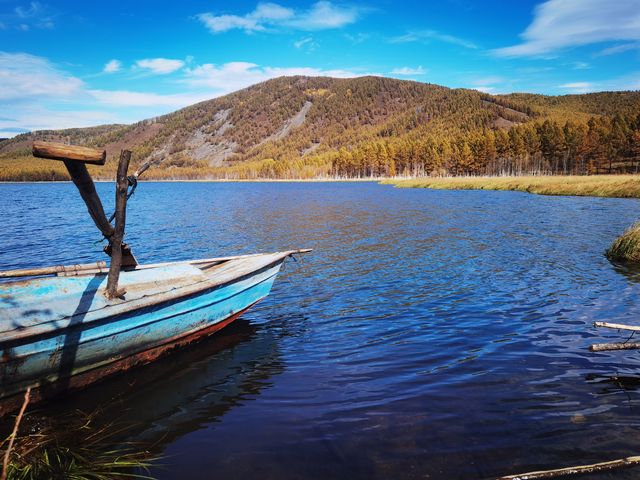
70	64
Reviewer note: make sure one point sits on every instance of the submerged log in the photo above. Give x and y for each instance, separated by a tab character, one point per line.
60	151
561	472
122	185
603	347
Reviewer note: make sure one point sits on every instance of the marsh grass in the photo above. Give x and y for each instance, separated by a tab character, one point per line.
75	447
619	186
627	246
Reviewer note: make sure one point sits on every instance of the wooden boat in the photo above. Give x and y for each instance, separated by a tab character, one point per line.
67	330
62	333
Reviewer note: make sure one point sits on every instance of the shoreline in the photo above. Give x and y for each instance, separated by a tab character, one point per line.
218	180
603	186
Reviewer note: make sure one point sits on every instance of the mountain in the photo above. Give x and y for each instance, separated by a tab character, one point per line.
311	126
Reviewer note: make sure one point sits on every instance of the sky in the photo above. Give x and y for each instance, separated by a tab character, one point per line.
75	64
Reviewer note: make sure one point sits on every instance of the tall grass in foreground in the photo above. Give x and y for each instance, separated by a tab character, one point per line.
75	447
620	186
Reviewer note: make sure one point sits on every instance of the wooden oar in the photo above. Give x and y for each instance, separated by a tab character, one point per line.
61	270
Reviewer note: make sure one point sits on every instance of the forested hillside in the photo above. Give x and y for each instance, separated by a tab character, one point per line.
302	127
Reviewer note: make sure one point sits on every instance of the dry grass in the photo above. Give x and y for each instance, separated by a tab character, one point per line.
627	246
75	446
619	186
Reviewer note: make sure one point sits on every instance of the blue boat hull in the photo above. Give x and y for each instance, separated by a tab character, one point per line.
55	355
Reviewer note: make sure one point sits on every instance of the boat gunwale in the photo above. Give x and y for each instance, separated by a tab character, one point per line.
48	334
145	301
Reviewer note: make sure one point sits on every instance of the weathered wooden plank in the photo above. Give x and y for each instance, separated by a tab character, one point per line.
60	270
60	151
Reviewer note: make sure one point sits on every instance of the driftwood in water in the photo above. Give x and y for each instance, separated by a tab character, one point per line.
561	472
60	270
60	151
122	185
617	326
603	347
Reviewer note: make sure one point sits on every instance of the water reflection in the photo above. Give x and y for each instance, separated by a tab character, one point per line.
163	401
630	270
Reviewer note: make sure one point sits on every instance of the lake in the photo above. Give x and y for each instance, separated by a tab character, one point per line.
430	334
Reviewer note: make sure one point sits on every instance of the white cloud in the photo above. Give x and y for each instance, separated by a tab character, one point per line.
124	98
357	38
625	47
236	75
40	95
34	15
160	65
426	35
581	65
559	24
223	23
36	116
409	71
488	84
112	66
321	16
308	44
485	81
324	15
578	87
26	76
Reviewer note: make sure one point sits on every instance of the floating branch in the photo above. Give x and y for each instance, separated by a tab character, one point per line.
603	347
617	326
562	472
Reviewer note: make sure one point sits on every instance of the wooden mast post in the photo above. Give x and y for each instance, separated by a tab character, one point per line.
74	159
122	185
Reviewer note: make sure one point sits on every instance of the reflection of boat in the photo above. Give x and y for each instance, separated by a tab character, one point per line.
65	331
164	400
61	333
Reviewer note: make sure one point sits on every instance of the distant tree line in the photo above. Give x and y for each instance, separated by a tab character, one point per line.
601	145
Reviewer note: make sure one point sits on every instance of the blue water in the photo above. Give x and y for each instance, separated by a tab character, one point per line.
431	334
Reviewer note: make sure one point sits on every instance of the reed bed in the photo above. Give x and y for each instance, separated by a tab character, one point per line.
618	186
627	246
